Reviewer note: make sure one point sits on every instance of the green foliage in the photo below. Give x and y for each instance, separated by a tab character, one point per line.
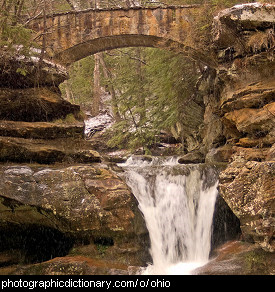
171	81
129	81
153	87
15	35
80	82
69	119
61	6
22	71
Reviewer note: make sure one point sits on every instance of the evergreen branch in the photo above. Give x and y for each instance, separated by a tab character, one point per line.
132	57
32	18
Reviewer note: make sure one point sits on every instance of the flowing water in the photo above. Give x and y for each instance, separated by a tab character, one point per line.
177	202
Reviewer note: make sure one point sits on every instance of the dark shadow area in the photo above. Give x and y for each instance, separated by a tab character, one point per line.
226	226
106	241
33	243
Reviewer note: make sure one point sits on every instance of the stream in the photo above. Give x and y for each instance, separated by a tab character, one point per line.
178	203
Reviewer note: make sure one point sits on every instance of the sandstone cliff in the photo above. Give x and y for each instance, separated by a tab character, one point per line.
239	116
242	112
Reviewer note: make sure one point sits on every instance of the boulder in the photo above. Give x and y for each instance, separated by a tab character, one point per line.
35	105
248	189
239	258
220	154
192	157
50	210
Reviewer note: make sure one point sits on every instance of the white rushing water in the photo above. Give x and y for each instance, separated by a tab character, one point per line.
178	205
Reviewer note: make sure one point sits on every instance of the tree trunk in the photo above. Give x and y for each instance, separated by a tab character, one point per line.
142	115
68	91
96	88
108	75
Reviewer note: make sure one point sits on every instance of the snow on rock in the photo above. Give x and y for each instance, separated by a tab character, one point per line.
34	57
15	65
249	12
243	17
97	123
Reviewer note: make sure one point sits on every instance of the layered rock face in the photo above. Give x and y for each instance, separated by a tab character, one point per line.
21	71
240	113
239	117
36	123
84	203
55	197
249	190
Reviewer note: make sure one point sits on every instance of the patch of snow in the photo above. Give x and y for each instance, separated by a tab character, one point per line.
42	172
35	58
241	6
249	12
24	170
97	123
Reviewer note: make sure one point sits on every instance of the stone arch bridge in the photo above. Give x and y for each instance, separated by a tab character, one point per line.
71	36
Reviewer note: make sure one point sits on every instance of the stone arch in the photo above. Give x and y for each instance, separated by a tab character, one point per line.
85	49
68	37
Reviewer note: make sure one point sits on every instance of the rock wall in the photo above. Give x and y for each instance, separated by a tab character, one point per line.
239	119
36	123
56	198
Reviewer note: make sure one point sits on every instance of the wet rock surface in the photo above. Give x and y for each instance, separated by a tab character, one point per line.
73	265
239	258
249	190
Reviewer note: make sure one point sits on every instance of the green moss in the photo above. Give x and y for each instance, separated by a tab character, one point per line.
70	119
102	249
256	262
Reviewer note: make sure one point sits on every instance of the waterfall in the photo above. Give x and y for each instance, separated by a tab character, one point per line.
177	202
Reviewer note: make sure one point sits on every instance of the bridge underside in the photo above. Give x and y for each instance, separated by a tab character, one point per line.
94	46
69	37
